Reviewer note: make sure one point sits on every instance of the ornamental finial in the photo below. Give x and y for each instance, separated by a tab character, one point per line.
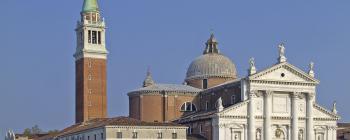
334	109
149	80
252	68
311	69
282	50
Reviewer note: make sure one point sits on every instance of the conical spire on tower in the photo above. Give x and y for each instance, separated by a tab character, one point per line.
90	6
211	45
149	80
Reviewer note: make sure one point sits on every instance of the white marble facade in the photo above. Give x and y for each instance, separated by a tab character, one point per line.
279	103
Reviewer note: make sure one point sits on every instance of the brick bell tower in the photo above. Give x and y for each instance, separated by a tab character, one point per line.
90	64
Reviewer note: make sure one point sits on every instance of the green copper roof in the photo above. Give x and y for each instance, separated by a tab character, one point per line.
90	6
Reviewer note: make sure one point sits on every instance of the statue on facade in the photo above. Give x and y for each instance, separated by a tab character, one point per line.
258	134
252	69
219	105
311	69
334	109
282	52
301	135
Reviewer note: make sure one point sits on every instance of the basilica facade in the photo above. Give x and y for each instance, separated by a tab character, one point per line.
277	103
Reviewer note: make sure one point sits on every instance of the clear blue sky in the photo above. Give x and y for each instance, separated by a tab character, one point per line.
38	40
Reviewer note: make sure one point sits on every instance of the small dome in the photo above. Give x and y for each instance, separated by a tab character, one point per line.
211	65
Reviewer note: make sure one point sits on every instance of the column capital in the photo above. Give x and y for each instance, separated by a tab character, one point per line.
268	93
295	94
311	95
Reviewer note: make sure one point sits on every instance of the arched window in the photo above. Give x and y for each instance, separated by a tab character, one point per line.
188	107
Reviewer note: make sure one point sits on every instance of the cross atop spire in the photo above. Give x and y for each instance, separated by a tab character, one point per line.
211	45
90	6
149	80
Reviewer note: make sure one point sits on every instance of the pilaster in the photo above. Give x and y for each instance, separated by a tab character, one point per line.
267	115
309	116
294	98
251	116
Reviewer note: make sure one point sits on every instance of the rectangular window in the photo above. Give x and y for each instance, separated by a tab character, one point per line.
89	36
200	129
134	135
88	137
206	105
81	37
205	83
160	135
233	99
174	135
101	136
95	137
94	37
99	37
119	135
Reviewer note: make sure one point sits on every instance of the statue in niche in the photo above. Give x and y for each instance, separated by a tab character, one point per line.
258	134
279	133
301	135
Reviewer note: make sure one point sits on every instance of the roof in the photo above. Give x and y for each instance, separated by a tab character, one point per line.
90	6
211	65
167	88
32	136
117	121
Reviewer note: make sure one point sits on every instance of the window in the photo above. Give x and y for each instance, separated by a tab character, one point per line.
205	83
160	135
81	36
102	136
188	107
89	36
134	135
90	77
99	37
95	137
119	135
88	137
94	37
174	135
233	99
200	129
206	105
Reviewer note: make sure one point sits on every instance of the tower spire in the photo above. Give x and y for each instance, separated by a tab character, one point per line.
90	6
211	45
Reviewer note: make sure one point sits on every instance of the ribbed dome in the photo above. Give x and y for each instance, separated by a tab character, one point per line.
211	65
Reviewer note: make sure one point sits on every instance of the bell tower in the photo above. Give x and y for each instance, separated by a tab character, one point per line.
90	64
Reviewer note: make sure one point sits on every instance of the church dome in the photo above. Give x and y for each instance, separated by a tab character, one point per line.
211	64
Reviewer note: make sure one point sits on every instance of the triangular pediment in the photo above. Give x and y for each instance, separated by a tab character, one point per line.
239	109
322	113
284	72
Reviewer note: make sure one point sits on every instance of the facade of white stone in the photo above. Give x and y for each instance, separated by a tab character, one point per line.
278	103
